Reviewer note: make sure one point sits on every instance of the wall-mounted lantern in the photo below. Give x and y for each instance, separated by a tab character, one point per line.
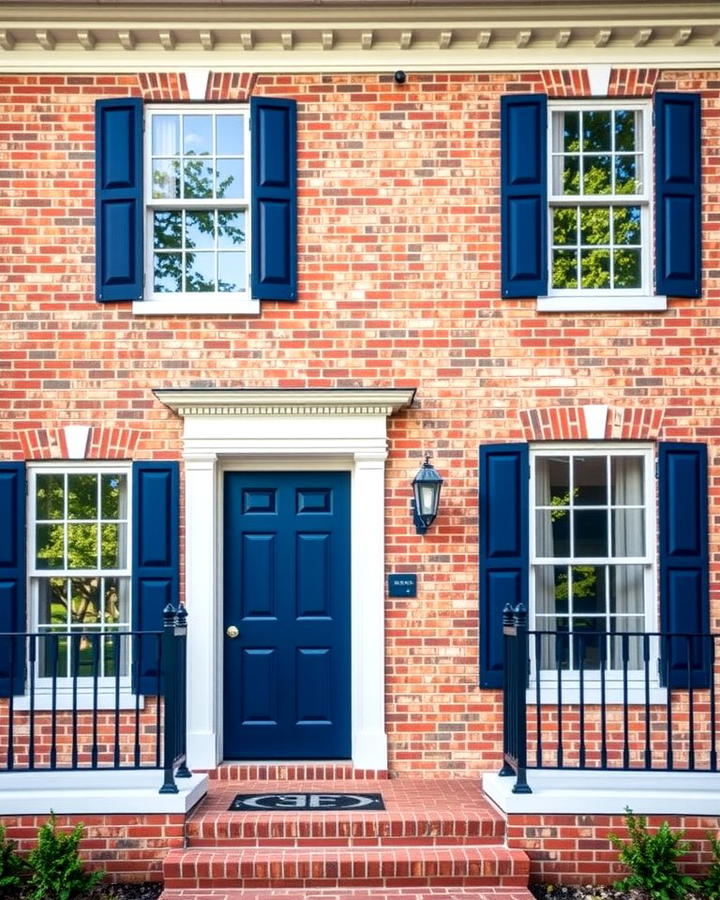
426	496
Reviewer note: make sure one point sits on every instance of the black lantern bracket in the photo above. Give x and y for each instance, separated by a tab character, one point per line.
425	502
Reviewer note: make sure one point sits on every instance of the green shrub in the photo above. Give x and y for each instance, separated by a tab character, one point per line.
711	883
652	860
57	872
12	867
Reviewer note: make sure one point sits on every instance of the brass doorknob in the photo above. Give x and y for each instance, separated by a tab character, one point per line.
231	631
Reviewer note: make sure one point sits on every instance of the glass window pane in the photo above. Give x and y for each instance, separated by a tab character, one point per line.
588	644
167	274
571	131
626	225
52	602
628	532
231	271
571	175
627	589
626	480
200	272
85	658
552	533
115	655
117	601
230	174
591	537
167	230
625	130
197	135
590	480
596	130
626	652
198	179
595	268
626	175
230	135
165	135
552	481
200	230
550	590
112	546
231	228
82	496
564	270
49	547
82	546
595	225
49	496
627	269
588	589
113	496
565	227
165	179
85	601
597	177
52	651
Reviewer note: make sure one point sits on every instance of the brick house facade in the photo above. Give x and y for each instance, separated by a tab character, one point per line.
405	309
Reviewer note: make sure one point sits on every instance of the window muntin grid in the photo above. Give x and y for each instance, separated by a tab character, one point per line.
197	199
599	200
592	556
80	574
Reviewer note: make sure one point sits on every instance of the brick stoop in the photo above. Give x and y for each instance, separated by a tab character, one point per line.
436	838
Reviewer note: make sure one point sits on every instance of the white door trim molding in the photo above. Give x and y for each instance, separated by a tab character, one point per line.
226	429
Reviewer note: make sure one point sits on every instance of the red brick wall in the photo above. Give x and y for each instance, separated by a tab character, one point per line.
127	847
577	849
399	250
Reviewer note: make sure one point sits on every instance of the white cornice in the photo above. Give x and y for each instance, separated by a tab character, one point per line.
296	37
259	402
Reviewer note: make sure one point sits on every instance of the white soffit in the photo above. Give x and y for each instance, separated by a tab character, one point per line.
240	35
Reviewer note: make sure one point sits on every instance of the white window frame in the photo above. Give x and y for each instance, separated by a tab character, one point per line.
613	678
83	695
204	303
590	300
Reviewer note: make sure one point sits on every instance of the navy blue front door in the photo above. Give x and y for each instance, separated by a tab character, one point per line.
287	593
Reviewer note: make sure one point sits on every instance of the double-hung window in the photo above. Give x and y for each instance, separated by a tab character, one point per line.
79	571
197	202
600	201
196	205
592	558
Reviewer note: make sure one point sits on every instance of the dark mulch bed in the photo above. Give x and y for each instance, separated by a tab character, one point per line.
143	890
588	892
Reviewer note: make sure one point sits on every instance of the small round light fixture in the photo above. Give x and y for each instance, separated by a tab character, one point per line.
426	496
400	77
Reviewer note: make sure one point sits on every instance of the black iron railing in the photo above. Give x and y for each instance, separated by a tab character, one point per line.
74	700
624	701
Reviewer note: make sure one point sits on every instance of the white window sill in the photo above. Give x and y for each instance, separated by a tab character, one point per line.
607	303
614	694
43	700
237	306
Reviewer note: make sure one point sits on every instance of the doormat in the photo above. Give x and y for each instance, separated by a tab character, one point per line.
306	802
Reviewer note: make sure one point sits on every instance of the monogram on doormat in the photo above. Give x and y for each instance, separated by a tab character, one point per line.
304	802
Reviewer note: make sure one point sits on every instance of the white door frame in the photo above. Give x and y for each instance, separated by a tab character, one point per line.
262	429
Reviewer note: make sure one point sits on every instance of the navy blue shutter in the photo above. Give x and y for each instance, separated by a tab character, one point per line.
273	125
684	604
12	577
677	194
504	473
523	179
119	199
155	570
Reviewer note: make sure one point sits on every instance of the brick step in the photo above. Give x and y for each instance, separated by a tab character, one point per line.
434	893
448	813
412	866
295	771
